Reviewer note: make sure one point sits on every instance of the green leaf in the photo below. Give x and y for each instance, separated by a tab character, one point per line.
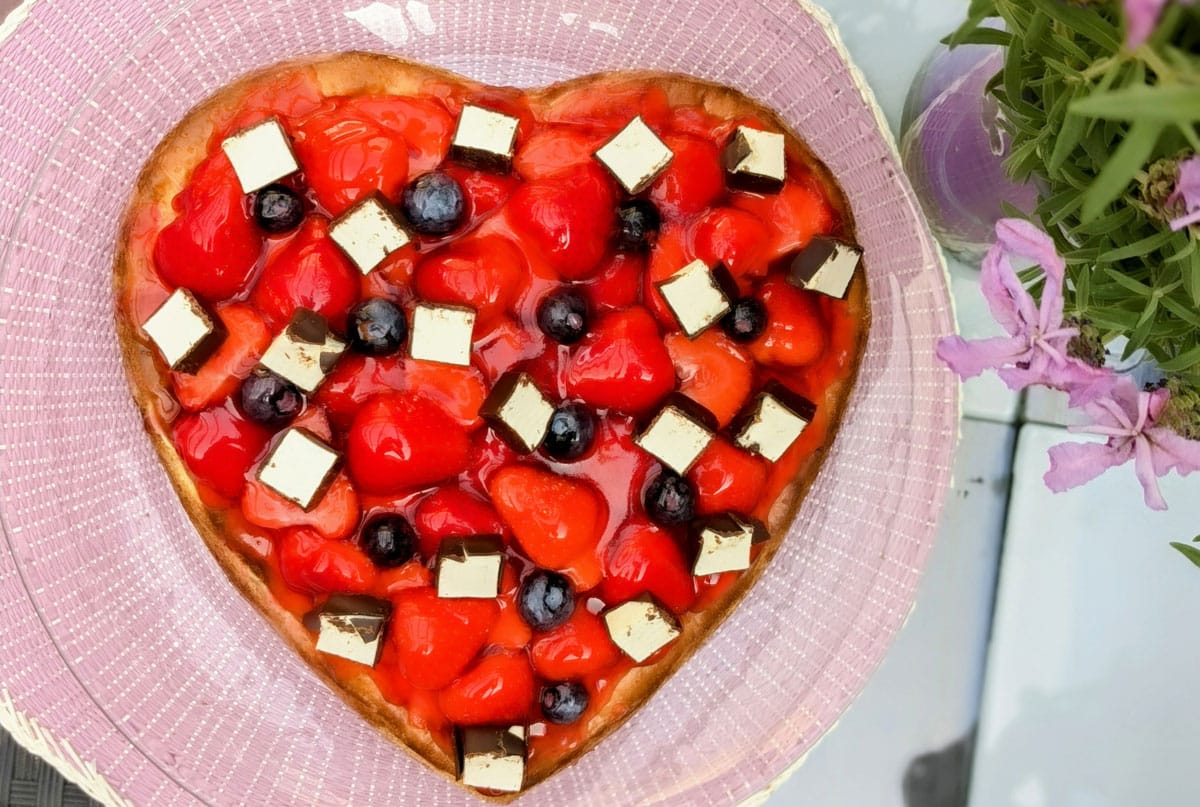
984	36
1167	103
1065	142
1128	159
1188	551
1182	362
1128	282
1084	21
1188	315
1138	248
978	11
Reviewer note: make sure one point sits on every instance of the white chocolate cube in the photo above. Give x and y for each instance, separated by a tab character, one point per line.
696	297
825	266
260	155
518	412
368	233
491	758
635	156
756	160
678	434
185	334
305	352
442	333
470	568
641	627
723	544
352	628
772	422
484	138
299	468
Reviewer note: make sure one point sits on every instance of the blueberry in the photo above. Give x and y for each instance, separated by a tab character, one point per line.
546	600
563	316
564	703
269	399
434	203
571	430
637	225
389	540
377	327
278	209
670	499
745	321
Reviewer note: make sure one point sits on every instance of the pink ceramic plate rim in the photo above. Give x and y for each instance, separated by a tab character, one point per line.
43	699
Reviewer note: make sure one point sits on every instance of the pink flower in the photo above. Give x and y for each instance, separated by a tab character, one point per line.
1187	190
1035	350
1141	18
1127	417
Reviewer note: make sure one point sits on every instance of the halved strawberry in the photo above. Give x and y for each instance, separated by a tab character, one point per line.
315	565
568	217
622	363
212	247
485	191
309	272
487	273
404	440
555	520
511	631
712	371
435	639
579	647
355	378
220	376
735	238
693	181
670	254
612	108
727	479
460	391
390	582
348	156
219	446
642	559
498	690
553	148
424	124
618	282
507	345
335	516
796	214
451	511
795	333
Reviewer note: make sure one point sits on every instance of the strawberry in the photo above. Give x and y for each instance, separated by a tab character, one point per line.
451	511
693	181
568	217
579	647
424	123
617	283
796	214
348	156
795	333
434	639
727	479
510	631
309	272
291	95
713	371
622	363
219	446
404	440
498	690
354	379
642	559
553	148
735	238
487	273
314	565
212	247
222	374
390	582
460	391
555	519
335	516
612	108
668	257
507	345
485	190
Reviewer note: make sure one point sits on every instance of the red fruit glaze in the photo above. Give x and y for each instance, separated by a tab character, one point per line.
309	272
693	181
315	565
713	371
577	648
334	516
347	157
499	690
449	512
645	559
727	479
795	334
219	446
434	639
487	273
622	364
555	519
735	238
568	217
402	440
221	376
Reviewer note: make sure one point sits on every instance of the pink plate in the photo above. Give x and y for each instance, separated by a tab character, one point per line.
126	656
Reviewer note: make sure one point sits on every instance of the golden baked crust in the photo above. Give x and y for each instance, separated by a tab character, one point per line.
166	173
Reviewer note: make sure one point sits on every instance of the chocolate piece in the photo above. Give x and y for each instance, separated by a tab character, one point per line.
305	352
299	468
260	155
369	232
722	543
772	421
698	296
352	627
679	433
518	411
484	139
442	333
635	156
470	568
492	758
755	161
641	627
825	266
185	334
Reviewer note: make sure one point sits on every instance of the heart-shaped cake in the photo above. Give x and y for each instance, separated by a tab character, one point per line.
494	402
